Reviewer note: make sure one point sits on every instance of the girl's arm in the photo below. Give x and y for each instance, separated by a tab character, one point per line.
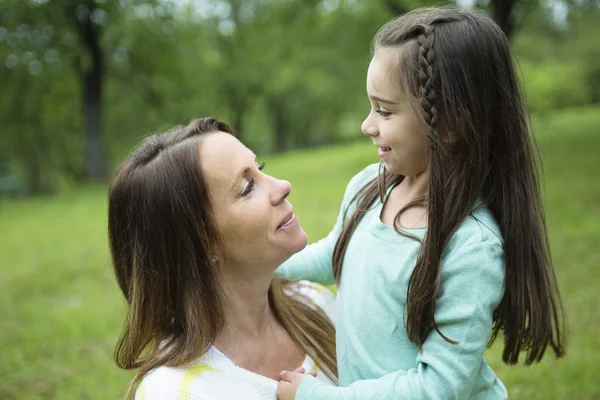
314	263
472	287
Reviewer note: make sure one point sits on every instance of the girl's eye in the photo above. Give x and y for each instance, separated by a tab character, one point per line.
261	166
248	188
383	113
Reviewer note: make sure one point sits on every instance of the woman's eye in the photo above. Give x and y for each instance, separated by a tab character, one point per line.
383	113
248	188
252	182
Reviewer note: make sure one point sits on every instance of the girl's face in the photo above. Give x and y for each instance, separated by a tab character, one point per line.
255	220
393	124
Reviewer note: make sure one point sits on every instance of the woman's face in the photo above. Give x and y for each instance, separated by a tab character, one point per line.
255	220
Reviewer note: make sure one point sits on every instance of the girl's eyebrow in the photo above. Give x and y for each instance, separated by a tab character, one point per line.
381	100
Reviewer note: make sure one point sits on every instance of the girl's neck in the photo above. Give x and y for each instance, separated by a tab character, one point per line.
410	189
414	187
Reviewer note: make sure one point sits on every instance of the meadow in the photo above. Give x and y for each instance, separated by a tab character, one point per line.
61	310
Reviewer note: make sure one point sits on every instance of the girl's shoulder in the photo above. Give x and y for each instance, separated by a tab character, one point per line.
365	176
478	247
358	182
479	228
314	295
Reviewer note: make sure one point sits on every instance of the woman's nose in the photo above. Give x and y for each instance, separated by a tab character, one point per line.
368	126
284	188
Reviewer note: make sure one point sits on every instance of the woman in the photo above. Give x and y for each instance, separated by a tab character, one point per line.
196	231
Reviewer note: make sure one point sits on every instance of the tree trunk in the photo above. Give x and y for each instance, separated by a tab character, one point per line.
279	120
502	13
38	177
239	110
31	145
95	152
92	80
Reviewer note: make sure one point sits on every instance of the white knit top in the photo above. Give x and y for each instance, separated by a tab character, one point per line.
215	377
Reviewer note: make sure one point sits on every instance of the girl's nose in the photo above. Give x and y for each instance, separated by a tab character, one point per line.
368	126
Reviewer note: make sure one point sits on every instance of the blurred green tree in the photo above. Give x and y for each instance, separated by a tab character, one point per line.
83	80
74	34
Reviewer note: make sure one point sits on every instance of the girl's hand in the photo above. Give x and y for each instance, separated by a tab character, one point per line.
288	385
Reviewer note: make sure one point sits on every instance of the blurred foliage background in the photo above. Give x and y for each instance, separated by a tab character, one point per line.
82	81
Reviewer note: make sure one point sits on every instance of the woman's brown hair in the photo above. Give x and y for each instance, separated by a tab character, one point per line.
458	65
163	239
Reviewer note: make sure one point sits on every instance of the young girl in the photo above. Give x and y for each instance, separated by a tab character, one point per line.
443	245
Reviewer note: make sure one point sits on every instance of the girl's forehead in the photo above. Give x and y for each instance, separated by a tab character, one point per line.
383	76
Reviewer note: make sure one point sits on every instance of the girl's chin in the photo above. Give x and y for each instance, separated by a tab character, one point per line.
391	167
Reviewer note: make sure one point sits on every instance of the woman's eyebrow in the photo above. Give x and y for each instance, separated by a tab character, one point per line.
240	176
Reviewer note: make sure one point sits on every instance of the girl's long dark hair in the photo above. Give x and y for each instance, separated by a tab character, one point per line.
458	64
163	239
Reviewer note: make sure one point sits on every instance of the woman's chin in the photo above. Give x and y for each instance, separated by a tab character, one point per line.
299	242
295	244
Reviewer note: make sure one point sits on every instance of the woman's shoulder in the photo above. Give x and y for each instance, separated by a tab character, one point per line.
197	380
160	383
314	294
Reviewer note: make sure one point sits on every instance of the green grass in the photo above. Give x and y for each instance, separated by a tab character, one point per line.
61	310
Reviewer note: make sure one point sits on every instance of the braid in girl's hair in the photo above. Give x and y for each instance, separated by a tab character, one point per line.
427	277
427	93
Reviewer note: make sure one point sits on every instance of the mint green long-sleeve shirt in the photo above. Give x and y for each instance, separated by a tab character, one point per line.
376	359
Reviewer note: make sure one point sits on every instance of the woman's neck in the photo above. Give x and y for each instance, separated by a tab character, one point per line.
247	311
252	336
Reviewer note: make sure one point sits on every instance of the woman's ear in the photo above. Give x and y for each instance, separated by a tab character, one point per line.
215	255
